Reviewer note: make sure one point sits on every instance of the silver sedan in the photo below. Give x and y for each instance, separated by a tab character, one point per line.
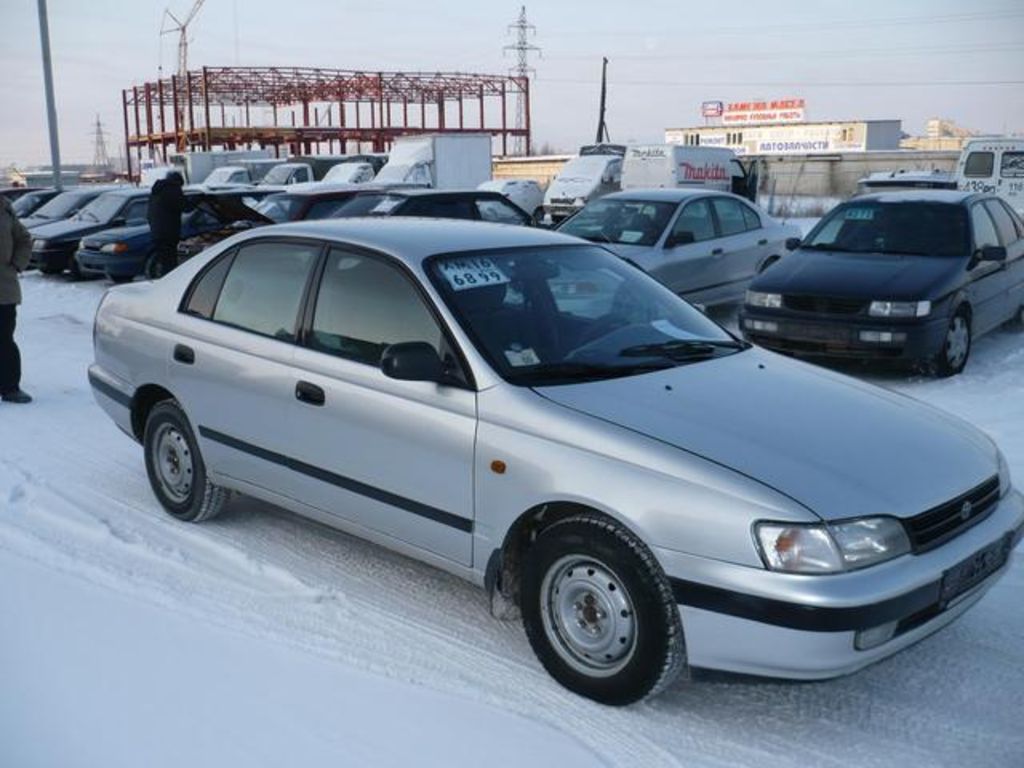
533	414
706	246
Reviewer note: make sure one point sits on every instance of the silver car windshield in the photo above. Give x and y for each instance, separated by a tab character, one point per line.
620	222
561	314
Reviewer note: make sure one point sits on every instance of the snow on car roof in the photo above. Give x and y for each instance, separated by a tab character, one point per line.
956	196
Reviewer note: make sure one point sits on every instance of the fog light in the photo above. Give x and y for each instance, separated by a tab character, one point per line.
882	337
870	638
765	326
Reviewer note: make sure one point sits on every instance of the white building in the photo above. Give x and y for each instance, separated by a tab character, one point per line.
793	138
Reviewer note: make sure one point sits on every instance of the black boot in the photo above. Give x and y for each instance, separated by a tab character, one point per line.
18	396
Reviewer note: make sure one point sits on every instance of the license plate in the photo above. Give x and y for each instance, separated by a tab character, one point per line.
975	569
824	333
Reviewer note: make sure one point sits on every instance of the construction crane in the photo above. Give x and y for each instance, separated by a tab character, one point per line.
180	27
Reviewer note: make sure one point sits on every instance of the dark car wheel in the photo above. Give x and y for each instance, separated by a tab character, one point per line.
956	346
175	467
121	278
599	612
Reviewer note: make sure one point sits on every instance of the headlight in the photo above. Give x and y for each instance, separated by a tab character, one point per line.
900	308
831	548
769	300
114	248
1004	476
39	245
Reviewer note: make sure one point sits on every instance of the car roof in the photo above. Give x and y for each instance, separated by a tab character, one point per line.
413	239
428	192
128	192
665	194
954	196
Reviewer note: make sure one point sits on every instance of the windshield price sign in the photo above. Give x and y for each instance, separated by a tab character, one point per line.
462	274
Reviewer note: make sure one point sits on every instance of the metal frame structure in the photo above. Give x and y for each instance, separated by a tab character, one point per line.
220	107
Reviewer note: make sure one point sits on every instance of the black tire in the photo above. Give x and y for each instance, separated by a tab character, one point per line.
623	610
119	279
49	269
956	345
169	444
153	268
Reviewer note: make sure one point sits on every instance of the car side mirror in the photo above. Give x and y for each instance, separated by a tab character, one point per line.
412	361
680	238
993	253
792	243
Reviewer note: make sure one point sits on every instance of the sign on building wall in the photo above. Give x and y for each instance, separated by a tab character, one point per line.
777	111
712	109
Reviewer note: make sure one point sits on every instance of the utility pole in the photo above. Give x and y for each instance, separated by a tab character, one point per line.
523	29
51	107
602	128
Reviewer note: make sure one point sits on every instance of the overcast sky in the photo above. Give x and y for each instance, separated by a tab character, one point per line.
866	59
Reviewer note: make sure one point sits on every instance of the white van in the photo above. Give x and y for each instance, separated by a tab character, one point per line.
654	166
581	180
995	167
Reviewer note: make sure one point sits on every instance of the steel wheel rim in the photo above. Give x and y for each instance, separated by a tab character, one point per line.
957	342
588	616
172	463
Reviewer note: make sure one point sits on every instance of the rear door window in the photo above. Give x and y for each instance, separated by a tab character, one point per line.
979	165
730	216
264	287
696	219
750	217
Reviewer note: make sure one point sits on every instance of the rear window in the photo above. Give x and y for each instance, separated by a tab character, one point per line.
280	208
979	165
913	227
369	205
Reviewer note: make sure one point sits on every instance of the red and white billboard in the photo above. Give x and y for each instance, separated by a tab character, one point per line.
776	111
711	109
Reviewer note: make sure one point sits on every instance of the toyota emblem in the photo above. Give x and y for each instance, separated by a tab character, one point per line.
965	511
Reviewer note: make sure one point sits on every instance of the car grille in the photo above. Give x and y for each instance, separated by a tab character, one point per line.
823	305
940	524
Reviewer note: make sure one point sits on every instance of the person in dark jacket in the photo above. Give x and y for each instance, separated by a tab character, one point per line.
166	204
15	250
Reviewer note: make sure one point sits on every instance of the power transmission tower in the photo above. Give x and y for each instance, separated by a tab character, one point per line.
523	30
100	158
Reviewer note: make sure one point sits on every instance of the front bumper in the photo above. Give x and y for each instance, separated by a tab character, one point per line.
840	337
53	258
92	262
741	619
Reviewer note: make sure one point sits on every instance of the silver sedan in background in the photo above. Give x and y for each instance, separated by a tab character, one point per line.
706	246
532	413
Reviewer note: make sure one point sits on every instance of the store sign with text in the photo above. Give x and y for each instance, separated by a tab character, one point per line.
776	111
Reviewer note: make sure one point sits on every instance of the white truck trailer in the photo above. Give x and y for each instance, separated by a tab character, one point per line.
440	161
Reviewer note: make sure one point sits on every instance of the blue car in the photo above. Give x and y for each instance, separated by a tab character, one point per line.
121	253
54	245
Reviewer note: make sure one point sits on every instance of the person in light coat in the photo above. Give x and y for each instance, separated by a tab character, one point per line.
15	250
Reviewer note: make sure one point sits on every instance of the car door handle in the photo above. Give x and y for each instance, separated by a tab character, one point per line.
717	252
763	241
184	354
310	393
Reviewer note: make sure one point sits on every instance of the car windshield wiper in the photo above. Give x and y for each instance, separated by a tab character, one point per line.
827	247
572	371
684	349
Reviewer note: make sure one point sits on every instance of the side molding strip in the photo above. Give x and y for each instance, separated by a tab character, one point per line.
318	473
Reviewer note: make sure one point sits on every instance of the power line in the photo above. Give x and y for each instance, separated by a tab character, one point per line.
523	30
790	83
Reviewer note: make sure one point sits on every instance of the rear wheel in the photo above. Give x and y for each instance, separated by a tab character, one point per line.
175	467
599	612
956	347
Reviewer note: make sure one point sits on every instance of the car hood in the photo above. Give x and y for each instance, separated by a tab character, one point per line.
67	229
120	234
864	276
838	446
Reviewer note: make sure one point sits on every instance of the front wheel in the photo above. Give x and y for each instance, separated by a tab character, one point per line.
599	613
175	467
956	347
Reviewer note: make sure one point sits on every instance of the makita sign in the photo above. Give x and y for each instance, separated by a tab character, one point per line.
704	172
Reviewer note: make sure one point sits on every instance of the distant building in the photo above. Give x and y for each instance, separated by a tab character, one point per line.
793	138
940	135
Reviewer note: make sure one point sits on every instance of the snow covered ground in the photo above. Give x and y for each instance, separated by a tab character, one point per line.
128	639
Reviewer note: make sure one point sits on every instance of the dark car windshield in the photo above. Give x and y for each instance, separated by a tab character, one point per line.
622	222
911	227
28	202
558	314
103	208
63	205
